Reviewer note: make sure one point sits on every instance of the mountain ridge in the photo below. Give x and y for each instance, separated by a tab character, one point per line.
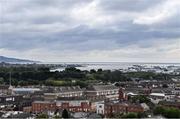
15	60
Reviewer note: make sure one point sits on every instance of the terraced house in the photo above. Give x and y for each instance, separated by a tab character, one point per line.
110	92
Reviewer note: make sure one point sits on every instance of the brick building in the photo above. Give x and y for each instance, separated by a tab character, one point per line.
71	91
74	104
71	104
121	107
110	92
170	104
43	106
122	95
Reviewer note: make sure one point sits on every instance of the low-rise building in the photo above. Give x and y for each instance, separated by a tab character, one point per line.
170	104
43	106
4	89
100	108
110	92
71	104
71	91
24	91
74	104
7	101
111	108
157	97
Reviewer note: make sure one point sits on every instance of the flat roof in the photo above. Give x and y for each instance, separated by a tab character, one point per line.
26	89
157	94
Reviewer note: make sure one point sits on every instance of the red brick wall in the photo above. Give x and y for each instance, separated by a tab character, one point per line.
118	108
41	107
86	107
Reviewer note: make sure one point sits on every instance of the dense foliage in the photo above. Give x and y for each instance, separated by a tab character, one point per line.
140	99
70	76
167	112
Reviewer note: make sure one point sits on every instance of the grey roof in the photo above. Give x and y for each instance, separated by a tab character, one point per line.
21	115
123	103
94	116
67	89
162	90
71	98
80	115
102	87
43	102
169	103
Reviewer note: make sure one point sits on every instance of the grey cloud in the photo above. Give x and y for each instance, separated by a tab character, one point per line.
76	35
128	5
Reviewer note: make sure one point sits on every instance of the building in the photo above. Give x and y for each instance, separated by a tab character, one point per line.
4	89
74	104
25	102
169	104
24	91
122	95
9	101
22	116
71	91
27	109
71	104
110	92
157	97
111	108
100	108
43	106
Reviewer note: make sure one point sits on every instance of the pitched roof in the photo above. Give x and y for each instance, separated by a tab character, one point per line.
21	115
102	87
68	89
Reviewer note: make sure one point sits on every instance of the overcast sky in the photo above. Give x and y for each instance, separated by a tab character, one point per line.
91	30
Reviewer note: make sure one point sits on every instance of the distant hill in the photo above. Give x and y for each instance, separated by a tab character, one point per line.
14	60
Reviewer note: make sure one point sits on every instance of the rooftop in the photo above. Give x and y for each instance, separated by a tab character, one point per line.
71	98
102	87
157	94
67	89
44	102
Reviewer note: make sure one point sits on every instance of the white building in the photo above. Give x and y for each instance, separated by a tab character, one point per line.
100	108
157	97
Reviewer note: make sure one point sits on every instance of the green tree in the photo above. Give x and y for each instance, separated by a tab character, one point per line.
159	110
130	115
92	71
65	114
42	116
142	115
140	99
1	80
167	112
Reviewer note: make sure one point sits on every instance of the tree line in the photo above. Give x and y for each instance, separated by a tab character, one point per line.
70	76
